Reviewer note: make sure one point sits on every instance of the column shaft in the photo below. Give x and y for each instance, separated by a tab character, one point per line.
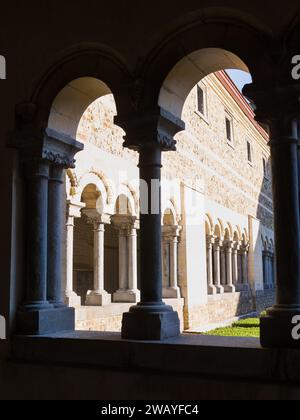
217	269
210	274
37	230
132	256
229	286
56	216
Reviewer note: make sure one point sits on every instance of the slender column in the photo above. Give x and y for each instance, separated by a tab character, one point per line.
280	108
235	268
210	273
128	291
245	265
151	319
37	176
230	288
133	264
56	217
265	267
217	266
98	296
166	263
170	241
73	211
223	266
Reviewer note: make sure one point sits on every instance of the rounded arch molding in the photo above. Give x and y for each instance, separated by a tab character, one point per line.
88	60
219	28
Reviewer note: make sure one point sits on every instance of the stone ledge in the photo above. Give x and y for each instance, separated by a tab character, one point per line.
190	354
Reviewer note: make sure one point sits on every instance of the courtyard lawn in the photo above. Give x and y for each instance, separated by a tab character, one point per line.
244	328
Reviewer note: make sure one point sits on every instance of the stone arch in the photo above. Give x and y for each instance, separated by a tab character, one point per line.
240	34
229	229
210	223
90	69
218	231
169	207
73	182
189	71
132	195
92	178
221	226
125	204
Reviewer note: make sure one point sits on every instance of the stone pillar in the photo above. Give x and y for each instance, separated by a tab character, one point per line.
37	179
223	266
229	288
245	264
56	221
45	158
279	107
217	266
73	211
235	267
210	272
98	296
151	319
170	241
128	291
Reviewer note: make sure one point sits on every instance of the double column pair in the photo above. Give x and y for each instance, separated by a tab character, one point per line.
43	309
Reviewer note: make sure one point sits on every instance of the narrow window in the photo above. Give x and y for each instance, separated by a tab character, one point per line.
229	131
249	152
201	101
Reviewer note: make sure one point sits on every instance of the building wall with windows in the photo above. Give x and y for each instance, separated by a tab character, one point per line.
218	241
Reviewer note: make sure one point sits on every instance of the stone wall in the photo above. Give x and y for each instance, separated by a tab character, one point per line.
265	299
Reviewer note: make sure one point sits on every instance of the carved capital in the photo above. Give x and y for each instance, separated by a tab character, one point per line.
157	128
94	216
52	147
125	223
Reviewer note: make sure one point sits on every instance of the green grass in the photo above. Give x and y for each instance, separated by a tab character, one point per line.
244	328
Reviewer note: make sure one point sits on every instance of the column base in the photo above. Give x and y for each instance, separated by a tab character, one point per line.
98	299
220	290
229	289
171	293
150	323
276	328
72	300
127	296
212	290
48	321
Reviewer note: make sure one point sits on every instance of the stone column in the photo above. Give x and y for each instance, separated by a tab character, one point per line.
37	179
279	107
151	319
170	240
223	266
217	266
210	272
229	288
98	296
56	220
73	211
45	158
245	264
128	291
235	268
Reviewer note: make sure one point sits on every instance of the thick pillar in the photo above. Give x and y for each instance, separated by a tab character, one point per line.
217	266
37	180
128	290
45	159
279	108
210	271
98	296
229	288
56	219
73	211
170	243
151	319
